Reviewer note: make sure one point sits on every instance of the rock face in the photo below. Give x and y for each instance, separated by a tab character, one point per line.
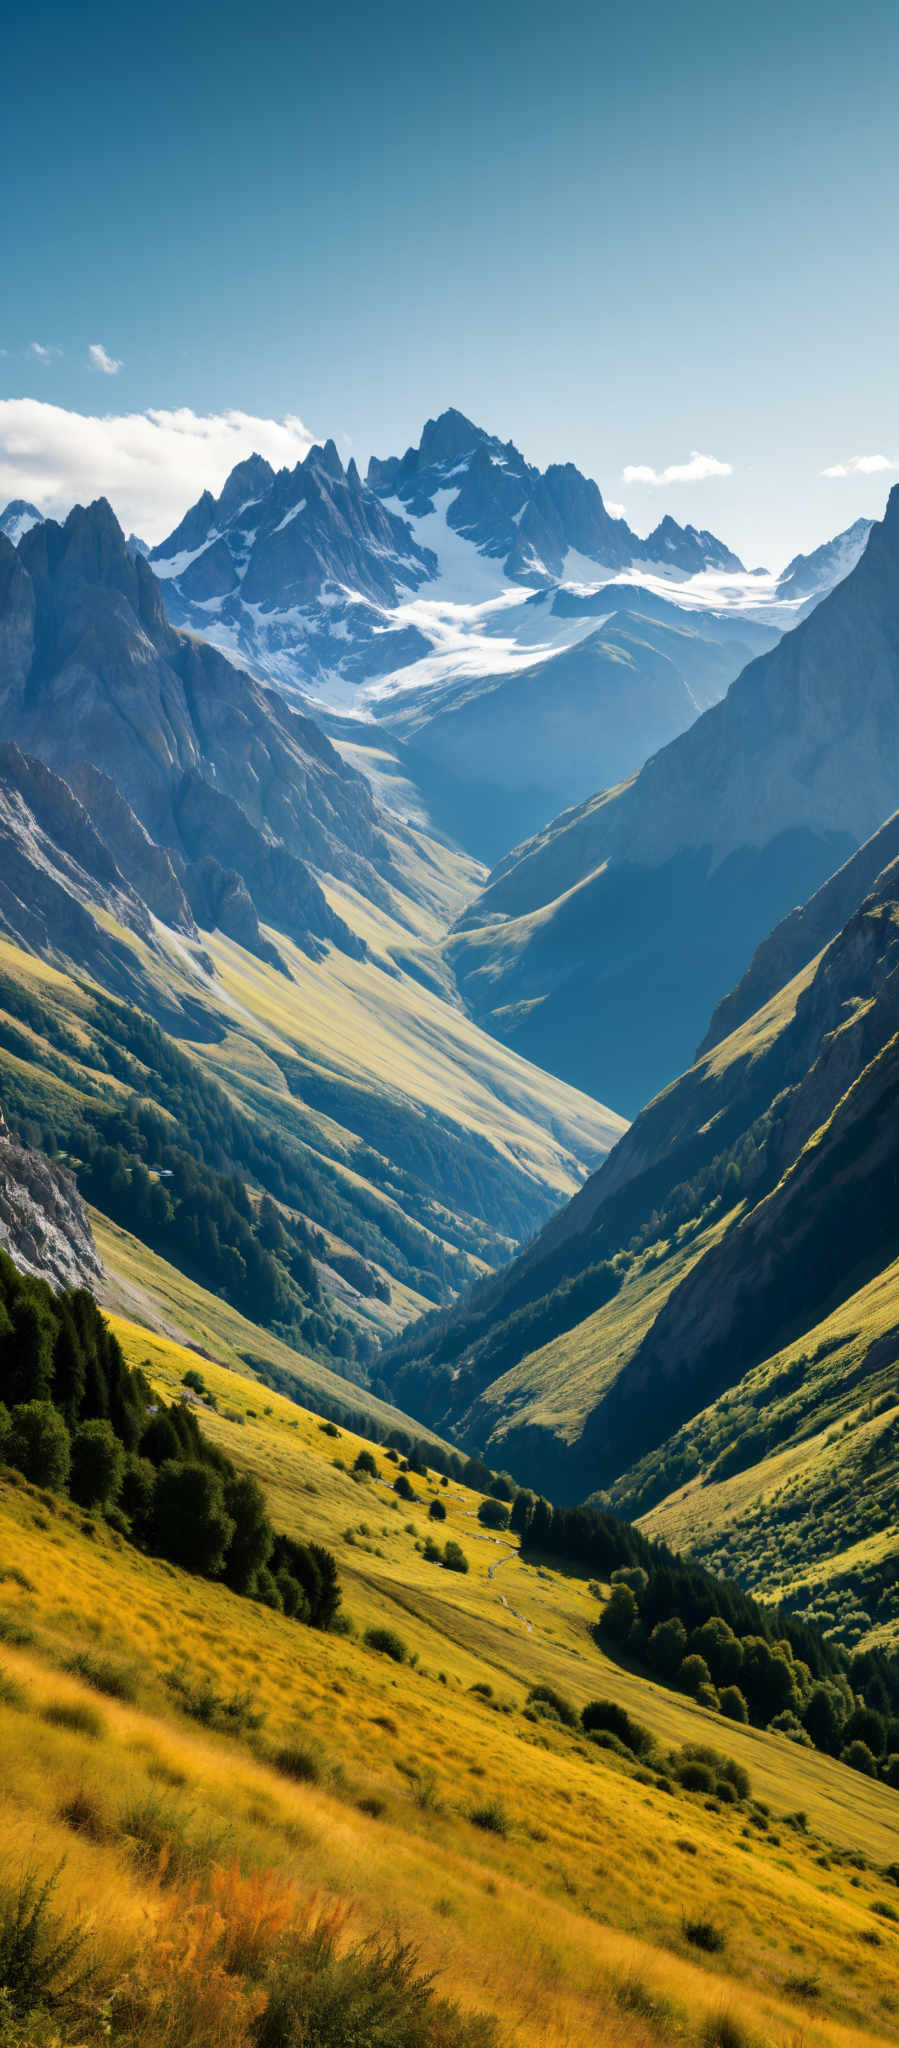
810	575
44	1225
179	753
600	947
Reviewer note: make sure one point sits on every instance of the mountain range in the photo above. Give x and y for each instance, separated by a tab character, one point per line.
319	1075
600	947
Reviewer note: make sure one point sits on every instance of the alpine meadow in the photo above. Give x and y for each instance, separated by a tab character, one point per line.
449	1027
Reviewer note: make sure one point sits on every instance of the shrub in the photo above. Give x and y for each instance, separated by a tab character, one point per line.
694	1675
612	1719
693	1775
98	1464
38	1445
732	1704
369	1994
387	1643
706	1935
232	1715
76	1715
546	1698
492	1817
296	1760
103	1675
454	1557
367	1463
493	1514
404	1488
39	1961
859	1758
437	1511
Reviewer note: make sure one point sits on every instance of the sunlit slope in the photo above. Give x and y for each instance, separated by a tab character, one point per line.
438	1147
789	1481
722	1293
569	1920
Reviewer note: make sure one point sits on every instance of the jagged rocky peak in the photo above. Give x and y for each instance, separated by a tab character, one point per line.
17	518
690	548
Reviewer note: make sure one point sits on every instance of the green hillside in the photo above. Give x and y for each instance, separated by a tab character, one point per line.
705	1337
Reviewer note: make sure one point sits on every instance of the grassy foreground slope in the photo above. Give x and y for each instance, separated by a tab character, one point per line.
544	1879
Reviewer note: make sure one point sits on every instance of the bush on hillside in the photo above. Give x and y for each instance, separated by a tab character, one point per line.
437	1511
493	1514
611	1719
387	1643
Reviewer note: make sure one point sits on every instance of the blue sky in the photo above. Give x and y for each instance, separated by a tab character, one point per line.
617	235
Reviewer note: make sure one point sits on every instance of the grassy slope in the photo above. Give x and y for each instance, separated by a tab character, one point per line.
570	1926
813	1515
359	1063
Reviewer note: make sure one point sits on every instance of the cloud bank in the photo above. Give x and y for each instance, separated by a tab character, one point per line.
862	465
150	465
695	471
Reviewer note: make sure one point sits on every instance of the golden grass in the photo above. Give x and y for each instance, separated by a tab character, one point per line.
567	1925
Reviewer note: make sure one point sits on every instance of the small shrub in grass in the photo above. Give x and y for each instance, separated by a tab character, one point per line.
371	1804
608	1716
297	1760
492	1817
156	1832
75	1715
493	1514
387	1643
366	1463
85	1816
42	1964
232	1714
722	2030
11	1693
705	1934
886	1909
454	1558
633	1995
103	1675
802	1986
15	1632
553	1705
368	1994
437	1511
403	1487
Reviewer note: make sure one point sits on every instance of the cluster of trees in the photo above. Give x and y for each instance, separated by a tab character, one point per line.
708	1638
76	1419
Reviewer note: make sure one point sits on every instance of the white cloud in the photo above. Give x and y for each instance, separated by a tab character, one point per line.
99	359
614	511
43	351
150	465
862	465
693	472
